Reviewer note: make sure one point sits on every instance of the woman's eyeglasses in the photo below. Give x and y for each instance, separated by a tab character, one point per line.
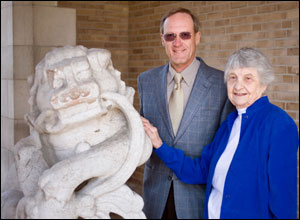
182	35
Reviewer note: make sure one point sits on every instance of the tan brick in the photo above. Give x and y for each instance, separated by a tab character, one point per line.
275	52
83	11
222	22
256	27
238	4
284	96
247	11
293	70
292	106
217	31
296	79
205	9
280	69
291	60
221	7
276	34
265	43
293	14
231	13
287	43
266	8
216	15
271	25
252	3
283	6
239	20
292	51
255	18
285	87
275	16
287	79
286	24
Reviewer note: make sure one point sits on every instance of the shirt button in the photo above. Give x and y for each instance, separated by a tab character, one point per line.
227	196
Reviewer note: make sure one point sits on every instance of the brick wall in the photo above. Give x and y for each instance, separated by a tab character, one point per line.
272	27
103	24
131	31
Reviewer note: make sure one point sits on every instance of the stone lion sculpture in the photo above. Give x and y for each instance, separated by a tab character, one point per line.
86	140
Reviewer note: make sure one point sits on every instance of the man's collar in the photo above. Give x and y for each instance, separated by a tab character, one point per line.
188	74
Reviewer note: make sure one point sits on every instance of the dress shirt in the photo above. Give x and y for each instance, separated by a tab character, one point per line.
188	74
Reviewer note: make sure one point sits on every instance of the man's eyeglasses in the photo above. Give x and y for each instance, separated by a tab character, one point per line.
182	35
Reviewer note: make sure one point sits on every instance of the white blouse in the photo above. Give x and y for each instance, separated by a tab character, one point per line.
216	195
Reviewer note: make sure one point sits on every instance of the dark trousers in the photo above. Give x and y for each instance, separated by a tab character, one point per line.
170	212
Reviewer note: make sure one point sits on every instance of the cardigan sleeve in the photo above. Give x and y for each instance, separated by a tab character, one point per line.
282	171
188	170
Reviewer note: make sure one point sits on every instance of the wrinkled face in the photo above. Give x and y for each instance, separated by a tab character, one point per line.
244	87
180	52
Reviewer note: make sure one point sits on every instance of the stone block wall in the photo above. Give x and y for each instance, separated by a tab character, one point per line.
131	31
29	29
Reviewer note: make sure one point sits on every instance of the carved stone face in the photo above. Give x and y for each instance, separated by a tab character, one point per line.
67	108
72	93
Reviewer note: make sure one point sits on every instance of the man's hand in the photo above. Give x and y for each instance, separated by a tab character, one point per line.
152	132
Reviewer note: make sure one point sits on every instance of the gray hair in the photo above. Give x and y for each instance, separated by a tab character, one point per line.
249	57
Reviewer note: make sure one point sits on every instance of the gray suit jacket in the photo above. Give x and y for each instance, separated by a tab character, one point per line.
207	107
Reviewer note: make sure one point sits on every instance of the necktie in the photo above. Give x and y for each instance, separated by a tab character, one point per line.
176	103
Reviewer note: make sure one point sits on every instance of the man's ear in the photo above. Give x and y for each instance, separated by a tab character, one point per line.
162	39
197	37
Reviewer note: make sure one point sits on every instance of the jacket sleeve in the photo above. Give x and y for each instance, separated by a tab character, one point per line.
187	169
282	171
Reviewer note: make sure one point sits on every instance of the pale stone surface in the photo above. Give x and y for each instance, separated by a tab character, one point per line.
7	62
86	140
7	99
6	25
50	25
23	26
45	3
7	125
21	95
23	62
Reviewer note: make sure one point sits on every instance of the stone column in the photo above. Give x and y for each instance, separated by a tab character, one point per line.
29	29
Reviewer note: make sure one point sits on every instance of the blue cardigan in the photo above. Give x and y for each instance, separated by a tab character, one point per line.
262	178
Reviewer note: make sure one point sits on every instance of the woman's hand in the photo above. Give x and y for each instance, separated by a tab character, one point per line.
152	132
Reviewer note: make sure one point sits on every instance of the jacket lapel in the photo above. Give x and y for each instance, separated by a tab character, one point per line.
198	93
161	94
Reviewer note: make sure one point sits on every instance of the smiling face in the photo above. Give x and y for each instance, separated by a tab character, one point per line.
180	52
244	87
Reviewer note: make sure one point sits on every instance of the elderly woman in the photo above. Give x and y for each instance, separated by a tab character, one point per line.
250	168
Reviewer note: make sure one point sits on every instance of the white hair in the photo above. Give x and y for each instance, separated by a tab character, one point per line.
249	57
